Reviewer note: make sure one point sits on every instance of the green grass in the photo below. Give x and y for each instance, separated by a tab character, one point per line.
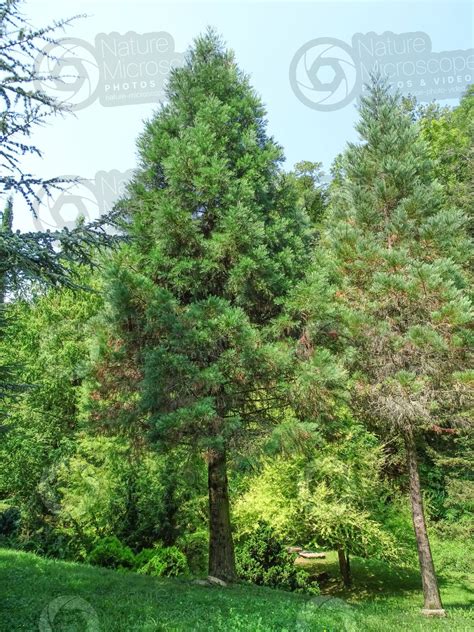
383	600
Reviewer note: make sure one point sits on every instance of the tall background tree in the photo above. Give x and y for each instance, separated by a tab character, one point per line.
394	253
217	241
449	133
446	459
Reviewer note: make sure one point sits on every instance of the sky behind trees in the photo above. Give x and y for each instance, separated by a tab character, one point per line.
265	37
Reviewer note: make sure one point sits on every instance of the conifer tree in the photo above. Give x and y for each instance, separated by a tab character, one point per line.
44	256
216	242
450	136
395	253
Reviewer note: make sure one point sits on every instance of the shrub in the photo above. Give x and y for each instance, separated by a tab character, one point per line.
9	521
143	558
110	552
262	558
195	546
166	562
453	554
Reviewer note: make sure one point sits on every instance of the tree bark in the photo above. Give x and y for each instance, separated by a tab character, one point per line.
344	567
432	599
221	545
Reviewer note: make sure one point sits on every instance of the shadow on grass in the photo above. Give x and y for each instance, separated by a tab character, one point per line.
370	578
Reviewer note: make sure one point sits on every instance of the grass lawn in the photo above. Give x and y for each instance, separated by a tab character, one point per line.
47	595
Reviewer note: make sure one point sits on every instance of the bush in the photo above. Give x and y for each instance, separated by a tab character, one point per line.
9	521
453	554
263	559
143	558
195	546
110	552
166	562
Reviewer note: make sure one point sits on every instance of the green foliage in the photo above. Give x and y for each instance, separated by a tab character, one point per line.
217	240
458	516
143	557
47	257
166	562
454	553
48	340
217	243
111	553
106	488
263	559
398	255
397	251
10	518
246	303
195	547
450	137
312	193
332	496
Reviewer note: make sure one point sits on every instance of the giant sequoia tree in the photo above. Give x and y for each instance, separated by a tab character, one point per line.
216	243
397	252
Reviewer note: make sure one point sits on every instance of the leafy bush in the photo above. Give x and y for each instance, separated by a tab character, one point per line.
9	521
453	554
167	562
329	497
49	542
143	558
195	546
110	552
263	559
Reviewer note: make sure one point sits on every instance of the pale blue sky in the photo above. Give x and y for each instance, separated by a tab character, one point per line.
264	36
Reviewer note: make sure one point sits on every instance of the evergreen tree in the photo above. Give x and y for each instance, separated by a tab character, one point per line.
217	241
39	256
312	191
395	253
9	388
42	257
450	136
6	223
46	347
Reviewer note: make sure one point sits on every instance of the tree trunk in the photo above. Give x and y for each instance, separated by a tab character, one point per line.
221	546
344	567
431	594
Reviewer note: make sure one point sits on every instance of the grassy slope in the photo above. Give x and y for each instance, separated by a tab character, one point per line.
384	601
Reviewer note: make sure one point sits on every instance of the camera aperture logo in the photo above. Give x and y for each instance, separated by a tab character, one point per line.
117	70
66	612
86	198
325	612
326	73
